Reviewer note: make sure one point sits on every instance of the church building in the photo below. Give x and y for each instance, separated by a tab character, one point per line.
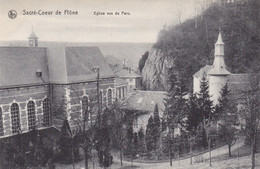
39	84
217	75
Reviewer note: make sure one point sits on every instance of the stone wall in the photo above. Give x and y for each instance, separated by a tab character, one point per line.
66	102
68	99
21	96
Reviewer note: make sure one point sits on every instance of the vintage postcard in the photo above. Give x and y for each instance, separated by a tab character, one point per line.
129	84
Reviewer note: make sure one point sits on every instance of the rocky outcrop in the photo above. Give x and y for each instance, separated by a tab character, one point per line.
155	71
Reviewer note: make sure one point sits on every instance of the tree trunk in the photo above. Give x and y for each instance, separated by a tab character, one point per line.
253	154
170	158
121	156
229	150
72	153
86	157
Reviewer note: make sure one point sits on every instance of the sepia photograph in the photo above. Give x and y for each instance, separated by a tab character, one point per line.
128	84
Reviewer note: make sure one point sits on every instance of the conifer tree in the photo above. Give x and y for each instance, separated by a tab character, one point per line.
149	136
175	107
251	113
226	111
194	117
223	101
157	124
135	144
141	140
205	107
103	141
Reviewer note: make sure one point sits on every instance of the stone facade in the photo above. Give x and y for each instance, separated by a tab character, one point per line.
70	97
21	96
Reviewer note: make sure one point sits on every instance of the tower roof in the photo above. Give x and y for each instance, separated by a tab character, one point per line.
32	36
220	41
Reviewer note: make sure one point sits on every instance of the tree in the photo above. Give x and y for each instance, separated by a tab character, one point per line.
175	107
158	148
135	144
117	128
149	136
103	140
157	132
250	111
68	148
143	60
141	140
157	124
205	107
226	112
223	101
194	117
130	141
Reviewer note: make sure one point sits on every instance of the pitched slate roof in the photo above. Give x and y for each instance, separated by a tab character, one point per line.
119	82
123	73
58	63
18	66
69	64
81	61
217	71
239	83
145	101
205	69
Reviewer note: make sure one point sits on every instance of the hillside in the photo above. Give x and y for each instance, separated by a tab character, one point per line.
128	51
190	46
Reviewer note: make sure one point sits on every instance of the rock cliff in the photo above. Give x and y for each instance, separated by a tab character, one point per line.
155	71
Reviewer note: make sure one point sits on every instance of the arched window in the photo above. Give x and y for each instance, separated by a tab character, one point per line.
1	123
15	116
109	97
31	115
84	105
46	112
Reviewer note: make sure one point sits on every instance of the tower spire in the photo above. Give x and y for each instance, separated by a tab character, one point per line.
219	41
33	39
219	66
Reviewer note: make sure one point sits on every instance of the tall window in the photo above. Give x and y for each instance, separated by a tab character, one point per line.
31	115
1	123
109	97
117	93
135	124
123	92
46	112
125	89
15	116
120	94
84	106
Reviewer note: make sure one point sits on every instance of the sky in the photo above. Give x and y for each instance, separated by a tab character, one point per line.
146	19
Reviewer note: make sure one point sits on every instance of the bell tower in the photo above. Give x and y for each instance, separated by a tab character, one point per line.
218	75
219	53
33	39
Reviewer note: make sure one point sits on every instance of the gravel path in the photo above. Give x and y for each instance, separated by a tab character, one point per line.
242	162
